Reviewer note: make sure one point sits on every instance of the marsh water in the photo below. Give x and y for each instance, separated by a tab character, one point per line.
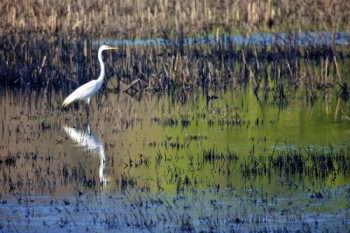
267	39
187	161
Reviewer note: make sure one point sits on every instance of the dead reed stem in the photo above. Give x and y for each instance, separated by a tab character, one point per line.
144	19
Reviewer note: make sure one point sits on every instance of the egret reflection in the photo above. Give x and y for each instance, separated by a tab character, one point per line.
89	142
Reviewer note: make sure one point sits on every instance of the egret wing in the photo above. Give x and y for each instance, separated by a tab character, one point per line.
83	92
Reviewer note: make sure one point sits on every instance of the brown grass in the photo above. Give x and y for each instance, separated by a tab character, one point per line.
37	50
145	19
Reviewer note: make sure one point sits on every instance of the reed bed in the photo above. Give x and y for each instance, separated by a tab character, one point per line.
147	19
36	61
49	43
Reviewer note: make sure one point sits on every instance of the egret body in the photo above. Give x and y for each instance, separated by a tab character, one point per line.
86	91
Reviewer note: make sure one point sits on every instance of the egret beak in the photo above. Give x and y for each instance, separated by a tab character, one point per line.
111	47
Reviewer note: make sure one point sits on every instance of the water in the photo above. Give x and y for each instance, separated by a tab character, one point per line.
177	162
266	39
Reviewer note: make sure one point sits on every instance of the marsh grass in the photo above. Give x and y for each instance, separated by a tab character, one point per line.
149	19
247	206
48	43
324	165
31	61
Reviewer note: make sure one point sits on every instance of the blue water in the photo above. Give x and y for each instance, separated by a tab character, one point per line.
267	39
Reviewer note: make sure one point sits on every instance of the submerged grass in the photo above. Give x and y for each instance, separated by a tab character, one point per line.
323	165
188	181
239	206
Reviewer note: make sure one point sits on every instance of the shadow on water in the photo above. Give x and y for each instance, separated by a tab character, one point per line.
196	161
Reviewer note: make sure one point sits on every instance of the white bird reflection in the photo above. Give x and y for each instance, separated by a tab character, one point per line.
87	139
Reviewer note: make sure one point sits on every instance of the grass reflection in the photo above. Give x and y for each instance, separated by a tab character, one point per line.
166	164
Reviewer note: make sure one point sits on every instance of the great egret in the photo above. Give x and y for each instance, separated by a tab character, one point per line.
86	91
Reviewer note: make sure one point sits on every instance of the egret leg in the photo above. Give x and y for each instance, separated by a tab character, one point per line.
87	109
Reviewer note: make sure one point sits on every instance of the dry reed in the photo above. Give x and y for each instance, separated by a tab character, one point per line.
37	50
147	19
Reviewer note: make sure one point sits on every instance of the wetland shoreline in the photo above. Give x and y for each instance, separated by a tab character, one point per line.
280	68
52	44
219	133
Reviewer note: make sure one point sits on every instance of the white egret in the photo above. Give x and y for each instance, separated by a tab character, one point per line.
86	91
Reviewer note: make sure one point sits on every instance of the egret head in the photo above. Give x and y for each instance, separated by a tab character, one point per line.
106	47
100	50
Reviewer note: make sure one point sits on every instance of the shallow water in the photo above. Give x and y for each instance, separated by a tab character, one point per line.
267	39
177	162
